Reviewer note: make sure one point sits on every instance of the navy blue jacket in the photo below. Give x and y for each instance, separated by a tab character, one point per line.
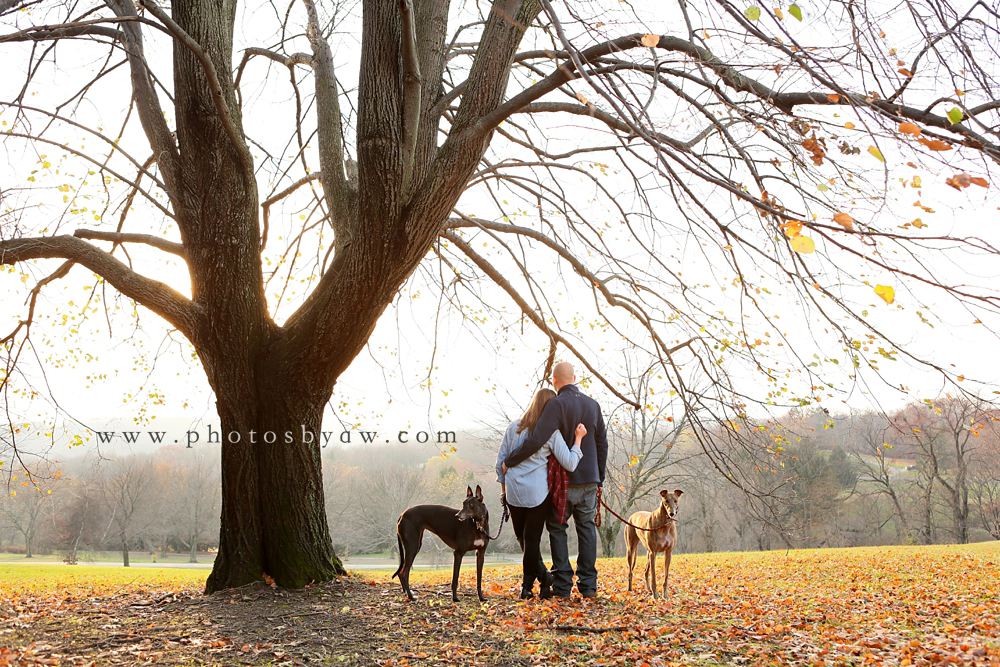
569	408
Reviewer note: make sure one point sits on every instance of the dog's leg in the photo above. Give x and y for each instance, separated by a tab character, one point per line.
411	545
652	572
666	569
631	544
480	557
646	572
454	575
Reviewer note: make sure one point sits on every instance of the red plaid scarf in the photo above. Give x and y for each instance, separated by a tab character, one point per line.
558	483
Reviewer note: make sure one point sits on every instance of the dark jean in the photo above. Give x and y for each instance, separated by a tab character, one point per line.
581	504
528	523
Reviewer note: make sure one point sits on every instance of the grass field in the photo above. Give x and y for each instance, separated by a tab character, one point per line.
900	606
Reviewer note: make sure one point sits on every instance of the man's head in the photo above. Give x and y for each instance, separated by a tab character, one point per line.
563	375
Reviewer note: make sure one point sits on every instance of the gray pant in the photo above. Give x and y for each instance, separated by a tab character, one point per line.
581	504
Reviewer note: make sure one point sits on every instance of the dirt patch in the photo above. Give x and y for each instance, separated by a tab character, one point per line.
350	621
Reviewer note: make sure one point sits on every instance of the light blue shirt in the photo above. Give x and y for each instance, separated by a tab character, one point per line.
528	482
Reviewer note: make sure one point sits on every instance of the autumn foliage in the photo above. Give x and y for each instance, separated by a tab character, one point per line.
870	606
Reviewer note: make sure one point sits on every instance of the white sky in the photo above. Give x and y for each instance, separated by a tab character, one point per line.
480	370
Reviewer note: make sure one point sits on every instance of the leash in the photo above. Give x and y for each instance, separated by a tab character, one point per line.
503	520
625	521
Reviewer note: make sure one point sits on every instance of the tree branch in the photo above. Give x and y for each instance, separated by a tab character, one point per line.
121	237
268	203
412	86
339	196
147	103
784	101
529	312
214	85
158	297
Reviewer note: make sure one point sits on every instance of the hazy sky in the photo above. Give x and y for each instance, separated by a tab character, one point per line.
481	369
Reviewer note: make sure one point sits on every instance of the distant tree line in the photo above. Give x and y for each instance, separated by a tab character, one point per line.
166	502
928	473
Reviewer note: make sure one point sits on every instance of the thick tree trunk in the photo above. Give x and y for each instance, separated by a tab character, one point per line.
273	513
193	558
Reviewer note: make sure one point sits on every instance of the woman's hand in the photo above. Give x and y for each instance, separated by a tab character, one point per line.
581	431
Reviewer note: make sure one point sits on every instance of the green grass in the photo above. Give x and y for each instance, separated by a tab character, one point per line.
77	580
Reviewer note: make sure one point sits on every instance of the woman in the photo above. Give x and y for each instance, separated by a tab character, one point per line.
527	490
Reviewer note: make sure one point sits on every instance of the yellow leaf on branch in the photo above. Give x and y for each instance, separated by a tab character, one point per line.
803	244
886	293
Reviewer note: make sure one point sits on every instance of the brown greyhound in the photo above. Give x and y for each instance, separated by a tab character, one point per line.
463	530
660	536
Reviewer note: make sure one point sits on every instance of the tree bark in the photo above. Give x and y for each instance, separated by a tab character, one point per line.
273	513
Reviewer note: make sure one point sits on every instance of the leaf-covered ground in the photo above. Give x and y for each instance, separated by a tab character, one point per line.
886	606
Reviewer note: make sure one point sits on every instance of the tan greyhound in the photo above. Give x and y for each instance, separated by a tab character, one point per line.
661	536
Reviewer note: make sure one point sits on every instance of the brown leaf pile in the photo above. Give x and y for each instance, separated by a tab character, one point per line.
922	606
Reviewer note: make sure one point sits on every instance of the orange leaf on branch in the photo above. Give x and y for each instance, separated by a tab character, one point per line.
963	180
935	144
845	221
792	229
906	127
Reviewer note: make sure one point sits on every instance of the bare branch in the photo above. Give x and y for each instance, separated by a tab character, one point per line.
339	195
268	203
412	86
529	312
146	239
147	103
221	108
161	299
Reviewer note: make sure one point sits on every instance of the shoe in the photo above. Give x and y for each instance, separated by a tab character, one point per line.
545	589
526	594
590	596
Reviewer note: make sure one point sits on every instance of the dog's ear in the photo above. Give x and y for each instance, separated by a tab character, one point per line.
678	492
468	493
664	493
479	492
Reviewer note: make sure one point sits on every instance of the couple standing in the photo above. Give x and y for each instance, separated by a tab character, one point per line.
543	490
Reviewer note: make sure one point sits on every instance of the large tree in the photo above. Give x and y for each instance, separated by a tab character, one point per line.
656	158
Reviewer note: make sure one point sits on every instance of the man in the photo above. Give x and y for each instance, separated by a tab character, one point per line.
569	408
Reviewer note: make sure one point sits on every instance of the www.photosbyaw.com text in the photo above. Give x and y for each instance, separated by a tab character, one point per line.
214	436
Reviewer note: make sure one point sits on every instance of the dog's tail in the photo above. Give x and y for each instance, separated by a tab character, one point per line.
399	569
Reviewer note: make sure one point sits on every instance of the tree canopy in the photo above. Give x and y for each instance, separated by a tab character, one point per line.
726	188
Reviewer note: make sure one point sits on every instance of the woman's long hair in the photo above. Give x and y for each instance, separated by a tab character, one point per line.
534	410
